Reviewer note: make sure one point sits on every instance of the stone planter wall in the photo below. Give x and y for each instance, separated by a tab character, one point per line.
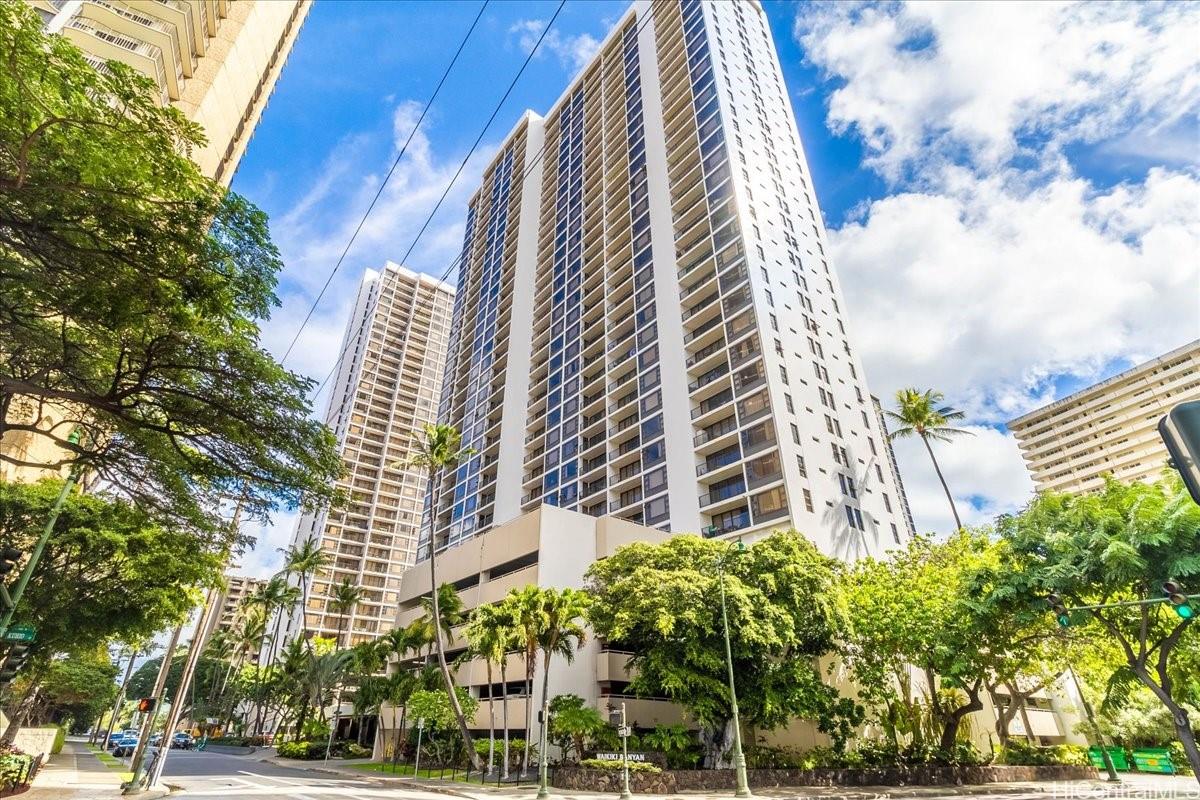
671	781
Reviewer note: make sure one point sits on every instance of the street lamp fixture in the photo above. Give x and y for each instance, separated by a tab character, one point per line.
739	757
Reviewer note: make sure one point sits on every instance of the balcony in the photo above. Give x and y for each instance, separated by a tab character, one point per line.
737	489
720	459
729	524
704	380
712	403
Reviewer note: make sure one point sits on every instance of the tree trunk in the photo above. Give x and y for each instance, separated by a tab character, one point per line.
504	710
530	663
715	741
455	706
953	510
1179	717
1004	716
19	714
543	747
953	719
491	764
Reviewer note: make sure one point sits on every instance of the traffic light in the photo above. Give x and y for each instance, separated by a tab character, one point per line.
1178	599
9	556
1180	432
147	704
1060	610
14	659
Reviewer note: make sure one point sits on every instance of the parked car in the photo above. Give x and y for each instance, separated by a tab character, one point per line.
183	740
125	745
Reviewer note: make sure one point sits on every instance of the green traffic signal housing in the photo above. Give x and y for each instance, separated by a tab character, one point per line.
1178	599
9	556
1180	432
1060	610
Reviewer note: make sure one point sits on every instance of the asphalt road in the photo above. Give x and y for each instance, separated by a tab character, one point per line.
215	775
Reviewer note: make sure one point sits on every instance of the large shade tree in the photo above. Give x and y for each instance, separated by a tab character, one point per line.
661	601
131	292
1120	545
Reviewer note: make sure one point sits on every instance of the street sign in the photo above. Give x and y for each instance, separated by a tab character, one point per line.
625	730
20	633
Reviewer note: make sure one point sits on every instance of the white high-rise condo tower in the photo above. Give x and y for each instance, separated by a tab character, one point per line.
385	389
647	323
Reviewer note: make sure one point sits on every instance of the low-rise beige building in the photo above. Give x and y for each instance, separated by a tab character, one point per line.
1108	428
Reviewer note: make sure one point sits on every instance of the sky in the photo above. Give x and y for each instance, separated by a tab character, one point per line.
1012	189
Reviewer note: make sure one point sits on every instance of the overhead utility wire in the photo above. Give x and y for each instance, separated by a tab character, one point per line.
383	185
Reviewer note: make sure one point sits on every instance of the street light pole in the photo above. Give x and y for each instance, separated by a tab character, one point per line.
739	758
1087	709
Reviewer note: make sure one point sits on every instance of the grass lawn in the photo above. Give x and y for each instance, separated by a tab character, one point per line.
385	767
111	762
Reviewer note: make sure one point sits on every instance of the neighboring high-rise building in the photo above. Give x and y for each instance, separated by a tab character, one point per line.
237	589
215	60
385	390
647	323
1109	428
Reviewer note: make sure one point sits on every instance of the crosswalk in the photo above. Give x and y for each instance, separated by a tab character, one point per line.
251	783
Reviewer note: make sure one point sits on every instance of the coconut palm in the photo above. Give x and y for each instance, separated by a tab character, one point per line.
918	414
562	632
304	561
439	449
450	611
527	606
345	597
492	634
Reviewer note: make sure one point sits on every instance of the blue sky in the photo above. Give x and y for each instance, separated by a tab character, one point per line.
1012	190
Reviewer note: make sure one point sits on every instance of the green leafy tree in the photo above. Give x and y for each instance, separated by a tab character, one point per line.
661	601
1120	544
526	606
77	687
439	449
109	571
574	724
131	292
434	709
922	608
921	414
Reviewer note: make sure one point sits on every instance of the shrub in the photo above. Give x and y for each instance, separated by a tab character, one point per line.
14	765
59	737
603	763
1179	758
1021	753
352	750
301	749
765	756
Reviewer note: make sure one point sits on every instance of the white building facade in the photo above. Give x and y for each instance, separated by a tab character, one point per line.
385	390
647	323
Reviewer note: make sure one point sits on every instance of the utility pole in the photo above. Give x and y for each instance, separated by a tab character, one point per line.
133	652
1091	718
739	757
195	648
139	752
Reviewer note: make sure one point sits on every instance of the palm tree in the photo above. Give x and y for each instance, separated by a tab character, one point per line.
450	610
527	605
269	597
492	634
305	560
345	597
918	414
439	449
562	632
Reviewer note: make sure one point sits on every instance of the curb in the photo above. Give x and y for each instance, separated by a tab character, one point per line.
346	772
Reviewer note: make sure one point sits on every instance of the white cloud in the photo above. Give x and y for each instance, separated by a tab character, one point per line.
995	266
573	51
264	560
987	289
984	465
924	81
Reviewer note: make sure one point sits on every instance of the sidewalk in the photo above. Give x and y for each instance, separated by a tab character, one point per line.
76	774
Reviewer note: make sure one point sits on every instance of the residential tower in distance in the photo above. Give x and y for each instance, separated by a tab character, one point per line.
384	390
647	323
215	60
1109	428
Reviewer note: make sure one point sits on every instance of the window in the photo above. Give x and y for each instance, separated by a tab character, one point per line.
808	506
895	533
783	374
887	502
879	473
795	434
787	401
837	457
803	468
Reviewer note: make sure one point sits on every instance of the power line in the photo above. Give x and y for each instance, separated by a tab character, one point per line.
537	159
383	185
